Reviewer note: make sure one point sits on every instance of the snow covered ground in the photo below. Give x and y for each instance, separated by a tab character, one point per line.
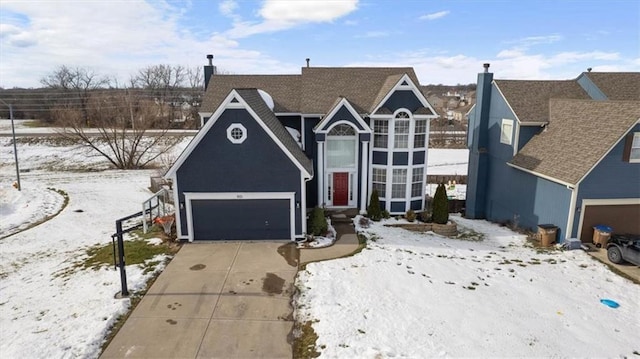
421	295
447	161
48	308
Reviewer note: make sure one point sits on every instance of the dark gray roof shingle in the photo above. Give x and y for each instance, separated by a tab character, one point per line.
284	89
315	90
530	99
579	134
617	85
255	101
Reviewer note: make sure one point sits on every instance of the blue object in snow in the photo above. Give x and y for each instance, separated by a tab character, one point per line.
610	303
603	228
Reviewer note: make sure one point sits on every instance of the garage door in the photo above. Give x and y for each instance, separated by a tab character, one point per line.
622	218
217	219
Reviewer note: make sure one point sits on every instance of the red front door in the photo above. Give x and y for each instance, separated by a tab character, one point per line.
340	189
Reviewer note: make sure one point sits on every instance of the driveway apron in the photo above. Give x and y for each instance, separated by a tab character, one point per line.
215	300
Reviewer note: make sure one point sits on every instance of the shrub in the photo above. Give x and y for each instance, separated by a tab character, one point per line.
410	215
425	216
386	214
317	222
440	205
373	211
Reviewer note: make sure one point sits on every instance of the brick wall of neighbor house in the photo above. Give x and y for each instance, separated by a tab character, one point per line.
601	184
256	165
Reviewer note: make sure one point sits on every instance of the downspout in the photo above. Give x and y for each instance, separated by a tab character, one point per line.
572	211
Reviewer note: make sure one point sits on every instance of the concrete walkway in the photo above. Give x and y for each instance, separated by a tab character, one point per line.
632	271
346	244
224	300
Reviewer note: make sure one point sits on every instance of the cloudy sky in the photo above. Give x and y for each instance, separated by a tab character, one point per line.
445	41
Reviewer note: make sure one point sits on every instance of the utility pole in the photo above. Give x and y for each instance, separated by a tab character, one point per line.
15	149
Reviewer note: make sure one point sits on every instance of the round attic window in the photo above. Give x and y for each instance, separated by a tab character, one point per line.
236	133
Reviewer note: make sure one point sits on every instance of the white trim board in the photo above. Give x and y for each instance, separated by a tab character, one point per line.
227	104
195	196
602	202
411	86
319	128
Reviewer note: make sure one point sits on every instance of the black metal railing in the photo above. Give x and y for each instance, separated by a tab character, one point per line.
120	261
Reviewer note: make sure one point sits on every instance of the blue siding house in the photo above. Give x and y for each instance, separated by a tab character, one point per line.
565	153
272	146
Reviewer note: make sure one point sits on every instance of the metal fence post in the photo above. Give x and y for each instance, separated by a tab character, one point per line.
121	263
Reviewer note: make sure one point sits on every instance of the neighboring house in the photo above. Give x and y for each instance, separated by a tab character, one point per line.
565	153
272	146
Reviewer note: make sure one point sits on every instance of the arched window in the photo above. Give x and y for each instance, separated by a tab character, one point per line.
401	130
341	147
342	130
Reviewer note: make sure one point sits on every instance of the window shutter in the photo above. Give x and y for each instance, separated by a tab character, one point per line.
626	154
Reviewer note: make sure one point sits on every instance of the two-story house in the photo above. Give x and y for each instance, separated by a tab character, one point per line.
272	146
565	153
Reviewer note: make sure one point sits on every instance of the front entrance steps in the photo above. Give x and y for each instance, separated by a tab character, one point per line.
345	215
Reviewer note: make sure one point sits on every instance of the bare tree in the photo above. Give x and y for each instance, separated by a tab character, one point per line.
164	83
78	82
121	129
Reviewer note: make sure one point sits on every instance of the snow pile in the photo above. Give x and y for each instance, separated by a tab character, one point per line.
19	209
420	295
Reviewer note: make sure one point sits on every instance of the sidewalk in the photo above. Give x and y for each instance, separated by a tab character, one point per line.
229	299
222	299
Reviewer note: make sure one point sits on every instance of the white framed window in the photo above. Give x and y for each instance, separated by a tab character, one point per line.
379	180
420	137
401	130
236	133
634	154
341	147
399	183
380	133
416	182
506	132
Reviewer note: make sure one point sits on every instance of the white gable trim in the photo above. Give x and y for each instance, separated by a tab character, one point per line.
523	123
322	126
537	174
411	86
227	104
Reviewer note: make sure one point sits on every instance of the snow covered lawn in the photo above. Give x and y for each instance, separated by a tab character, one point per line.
421	295
49	307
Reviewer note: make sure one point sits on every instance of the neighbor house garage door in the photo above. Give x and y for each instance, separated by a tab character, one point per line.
623	218
239	216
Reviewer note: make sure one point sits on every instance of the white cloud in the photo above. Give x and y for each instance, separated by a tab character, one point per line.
435	15
306	10
537	40
114	41
373	34
278	15
228	7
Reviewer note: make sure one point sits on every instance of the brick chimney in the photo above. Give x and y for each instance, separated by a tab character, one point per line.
209	71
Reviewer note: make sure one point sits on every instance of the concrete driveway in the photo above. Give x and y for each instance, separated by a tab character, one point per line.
222	300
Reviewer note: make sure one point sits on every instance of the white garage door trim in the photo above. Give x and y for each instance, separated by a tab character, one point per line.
191	196
602	202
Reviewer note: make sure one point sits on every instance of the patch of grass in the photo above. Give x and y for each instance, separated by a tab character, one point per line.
467	234
137	251
304	344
